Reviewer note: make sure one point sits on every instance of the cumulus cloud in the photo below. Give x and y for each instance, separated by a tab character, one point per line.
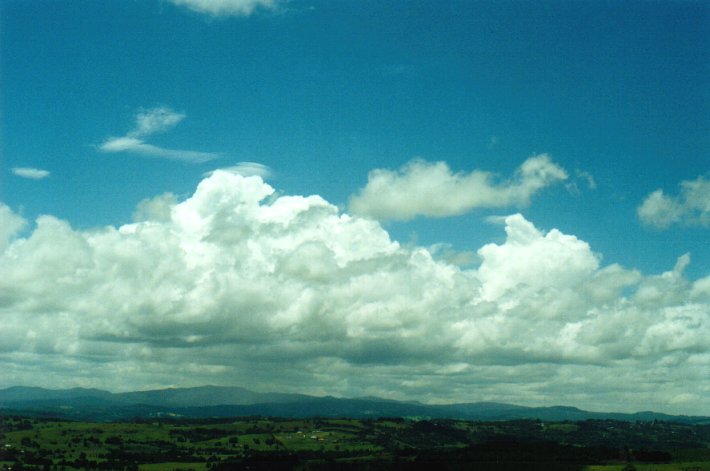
517	264
30	172
155	209
236	285
691	206
10	224
423	188
227	7
150	122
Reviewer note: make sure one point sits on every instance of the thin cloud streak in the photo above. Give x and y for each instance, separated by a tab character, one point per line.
128	144
149	122
225	8
30	173
245	169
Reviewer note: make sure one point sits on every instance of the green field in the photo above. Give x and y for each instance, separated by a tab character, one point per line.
314	444
172	466
680	466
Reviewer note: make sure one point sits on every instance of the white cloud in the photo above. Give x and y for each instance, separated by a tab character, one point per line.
149	122
129	144
29	172
690	207
10	225
582	179
659	210
246	169
227	7
236	285
155	120
156	209
518	264
422	188
588	179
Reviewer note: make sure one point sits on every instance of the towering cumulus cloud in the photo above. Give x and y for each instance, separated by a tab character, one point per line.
235	285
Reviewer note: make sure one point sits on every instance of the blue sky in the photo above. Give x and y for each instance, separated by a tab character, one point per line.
419	115
323	95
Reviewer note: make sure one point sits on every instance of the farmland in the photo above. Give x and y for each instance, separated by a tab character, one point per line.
273	443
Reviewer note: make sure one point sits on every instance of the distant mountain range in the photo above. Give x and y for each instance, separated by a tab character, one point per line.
214	401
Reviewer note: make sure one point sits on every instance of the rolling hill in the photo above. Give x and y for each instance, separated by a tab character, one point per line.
217	401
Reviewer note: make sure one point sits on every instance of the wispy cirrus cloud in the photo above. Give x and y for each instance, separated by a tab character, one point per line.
30	172
147	123
227	7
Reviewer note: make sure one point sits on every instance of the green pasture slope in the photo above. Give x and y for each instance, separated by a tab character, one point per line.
681	466
315	444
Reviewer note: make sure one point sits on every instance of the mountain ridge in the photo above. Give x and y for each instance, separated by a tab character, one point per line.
230	401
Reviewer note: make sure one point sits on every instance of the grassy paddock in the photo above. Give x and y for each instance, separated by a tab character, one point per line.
684	466
38	443
173	467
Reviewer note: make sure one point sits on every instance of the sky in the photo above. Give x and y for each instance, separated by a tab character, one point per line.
442	201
